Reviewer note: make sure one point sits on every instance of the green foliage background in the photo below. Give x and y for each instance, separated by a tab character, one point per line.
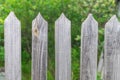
75	10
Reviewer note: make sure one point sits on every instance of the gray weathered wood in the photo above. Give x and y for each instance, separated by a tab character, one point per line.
112	50
63	48
39	48
89	43
12	27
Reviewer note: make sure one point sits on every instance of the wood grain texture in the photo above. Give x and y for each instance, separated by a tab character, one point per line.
39	48
12	30
89	43
63	48
112	50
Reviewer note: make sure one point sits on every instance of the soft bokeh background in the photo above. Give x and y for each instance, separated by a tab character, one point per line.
75	10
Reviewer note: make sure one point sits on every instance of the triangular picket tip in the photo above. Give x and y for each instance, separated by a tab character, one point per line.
62	18
11	16
63	15
113	20
39	18
38	22
113	24
90	19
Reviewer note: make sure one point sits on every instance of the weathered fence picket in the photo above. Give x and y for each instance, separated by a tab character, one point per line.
63	48
12	28
39	48
109	66
89	43
112	50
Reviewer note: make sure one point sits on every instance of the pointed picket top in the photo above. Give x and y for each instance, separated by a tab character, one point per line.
39	18
12	17
90	20
113	19
38	22
113	24
89	26
63	18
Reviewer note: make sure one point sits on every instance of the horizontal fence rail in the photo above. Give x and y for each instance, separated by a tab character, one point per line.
109	65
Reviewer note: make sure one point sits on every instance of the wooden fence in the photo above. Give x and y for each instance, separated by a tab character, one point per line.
89	44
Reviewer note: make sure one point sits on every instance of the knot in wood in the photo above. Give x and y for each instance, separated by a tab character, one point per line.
35	31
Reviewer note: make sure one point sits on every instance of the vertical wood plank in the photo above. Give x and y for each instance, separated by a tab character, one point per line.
12	27
63	48
39	48
112	50
89	42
